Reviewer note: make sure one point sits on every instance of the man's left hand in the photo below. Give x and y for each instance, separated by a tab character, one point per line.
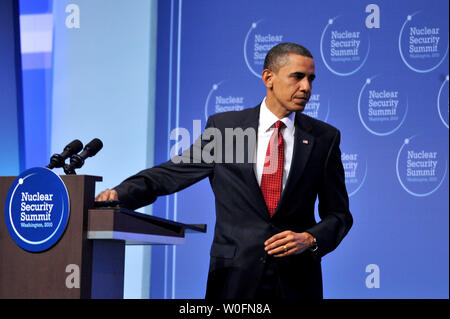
288	243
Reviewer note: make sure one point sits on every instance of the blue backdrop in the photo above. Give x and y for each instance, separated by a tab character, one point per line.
382	79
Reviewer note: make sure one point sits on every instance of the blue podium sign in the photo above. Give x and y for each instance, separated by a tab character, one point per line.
37	209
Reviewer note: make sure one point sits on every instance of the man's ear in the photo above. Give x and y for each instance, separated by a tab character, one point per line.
267	77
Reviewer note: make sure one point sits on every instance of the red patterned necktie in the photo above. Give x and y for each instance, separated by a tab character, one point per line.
272	176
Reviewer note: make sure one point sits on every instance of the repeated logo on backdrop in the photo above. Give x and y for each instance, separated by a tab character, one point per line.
443	102
355	168
223	98
318	106
382	105
344	45
261	37
421	168
423	42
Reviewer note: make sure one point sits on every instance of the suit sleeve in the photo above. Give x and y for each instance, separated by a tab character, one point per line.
336	219
172	176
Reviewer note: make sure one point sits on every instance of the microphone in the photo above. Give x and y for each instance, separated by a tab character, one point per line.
77	161
57	160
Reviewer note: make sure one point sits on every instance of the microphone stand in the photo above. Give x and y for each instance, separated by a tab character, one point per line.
69	170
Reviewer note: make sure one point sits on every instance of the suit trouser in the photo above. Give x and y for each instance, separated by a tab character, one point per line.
270	285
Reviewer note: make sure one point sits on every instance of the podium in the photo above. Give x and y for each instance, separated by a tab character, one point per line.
88	260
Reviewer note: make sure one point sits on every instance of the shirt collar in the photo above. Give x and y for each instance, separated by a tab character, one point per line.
267	119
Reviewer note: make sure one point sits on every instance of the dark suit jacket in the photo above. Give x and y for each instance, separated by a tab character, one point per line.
242	219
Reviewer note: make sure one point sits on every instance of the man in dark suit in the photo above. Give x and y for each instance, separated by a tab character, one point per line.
267	243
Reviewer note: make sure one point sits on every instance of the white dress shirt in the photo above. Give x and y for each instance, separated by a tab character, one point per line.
266	127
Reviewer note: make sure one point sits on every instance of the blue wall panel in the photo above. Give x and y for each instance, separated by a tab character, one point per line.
11	109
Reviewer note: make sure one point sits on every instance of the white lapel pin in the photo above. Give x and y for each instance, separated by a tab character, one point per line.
305	142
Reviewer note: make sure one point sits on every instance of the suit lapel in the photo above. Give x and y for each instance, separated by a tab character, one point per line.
303	144
252	122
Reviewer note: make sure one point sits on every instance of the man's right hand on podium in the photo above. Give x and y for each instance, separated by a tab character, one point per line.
108	194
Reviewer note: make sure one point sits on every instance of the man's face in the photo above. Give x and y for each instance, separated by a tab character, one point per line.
289	89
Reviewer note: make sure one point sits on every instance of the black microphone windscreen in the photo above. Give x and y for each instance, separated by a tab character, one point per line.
94	146
74	147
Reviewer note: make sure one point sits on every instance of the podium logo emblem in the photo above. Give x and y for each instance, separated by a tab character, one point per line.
37	209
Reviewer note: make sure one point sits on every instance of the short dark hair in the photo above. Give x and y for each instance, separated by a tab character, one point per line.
276	57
